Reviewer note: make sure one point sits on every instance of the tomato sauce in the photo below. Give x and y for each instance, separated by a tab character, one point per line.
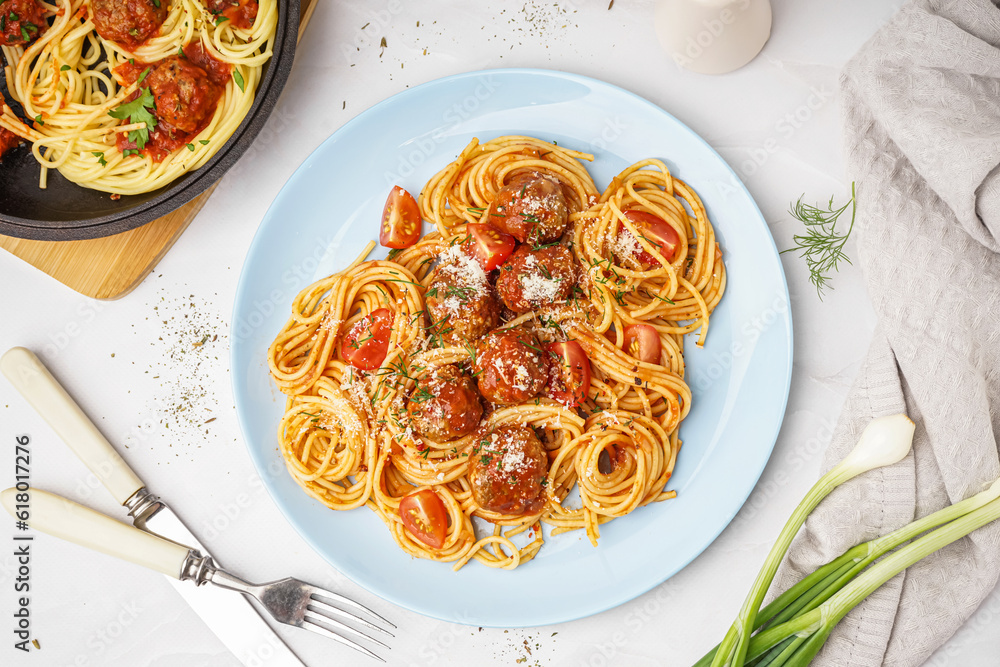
21	22
8	140
165	139
240	12
129	72
217	71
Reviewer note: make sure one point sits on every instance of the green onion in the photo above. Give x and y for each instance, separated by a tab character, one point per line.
885	441
821	585
817	624
797	623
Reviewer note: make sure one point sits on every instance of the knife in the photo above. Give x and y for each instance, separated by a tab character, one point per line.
234	620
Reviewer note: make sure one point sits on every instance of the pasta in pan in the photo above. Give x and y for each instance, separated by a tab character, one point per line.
126	96
528	348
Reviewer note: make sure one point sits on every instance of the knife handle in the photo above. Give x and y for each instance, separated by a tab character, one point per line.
30	377
67	520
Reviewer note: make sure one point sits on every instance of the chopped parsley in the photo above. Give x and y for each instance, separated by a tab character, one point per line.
65	68
26	29
100	158
138	111
239	80
38	119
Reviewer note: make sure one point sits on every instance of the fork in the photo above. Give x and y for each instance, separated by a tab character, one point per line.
289	601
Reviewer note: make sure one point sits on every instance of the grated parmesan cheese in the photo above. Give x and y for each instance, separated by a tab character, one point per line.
514	460
539	289
465	269
626	245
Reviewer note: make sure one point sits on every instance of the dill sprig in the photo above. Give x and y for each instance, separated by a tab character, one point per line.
822	246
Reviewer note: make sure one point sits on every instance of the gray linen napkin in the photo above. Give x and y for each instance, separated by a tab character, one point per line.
921	104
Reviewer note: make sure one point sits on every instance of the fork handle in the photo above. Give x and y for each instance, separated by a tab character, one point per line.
67	520
34	381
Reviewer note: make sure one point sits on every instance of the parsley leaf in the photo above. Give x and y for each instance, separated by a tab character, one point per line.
137	111
100	158
219	21
239	79
65	68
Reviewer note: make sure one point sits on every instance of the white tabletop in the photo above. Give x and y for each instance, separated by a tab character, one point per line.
129	364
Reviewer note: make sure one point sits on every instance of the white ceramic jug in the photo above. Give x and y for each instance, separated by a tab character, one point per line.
713	36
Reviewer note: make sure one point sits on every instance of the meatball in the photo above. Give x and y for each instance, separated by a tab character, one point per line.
8	140
20	19
507	469
531	278
445	404
128	22
531	208
241	13
511	366
185	95
461	303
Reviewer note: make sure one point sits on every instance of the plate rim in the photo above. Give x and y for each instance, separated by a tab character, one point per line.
540	620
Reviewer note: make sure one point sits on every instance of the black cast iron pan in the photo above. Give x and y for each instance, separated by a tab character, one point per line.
65	211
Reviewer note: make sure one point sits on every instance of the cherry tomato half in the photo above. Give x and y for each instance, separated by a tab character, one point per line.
657	232
642	342
570	379
401	222
425	517
489	246
367	343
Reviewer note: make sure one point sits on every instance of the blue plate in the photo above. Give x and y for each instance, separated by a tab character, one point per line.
330	209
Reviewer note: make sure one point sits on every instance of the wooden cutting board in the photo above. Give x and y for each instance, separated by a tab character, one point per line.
113	266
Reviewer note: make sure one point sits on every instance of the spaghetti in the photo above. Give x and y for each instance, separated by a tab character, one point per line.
348	436
76	88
